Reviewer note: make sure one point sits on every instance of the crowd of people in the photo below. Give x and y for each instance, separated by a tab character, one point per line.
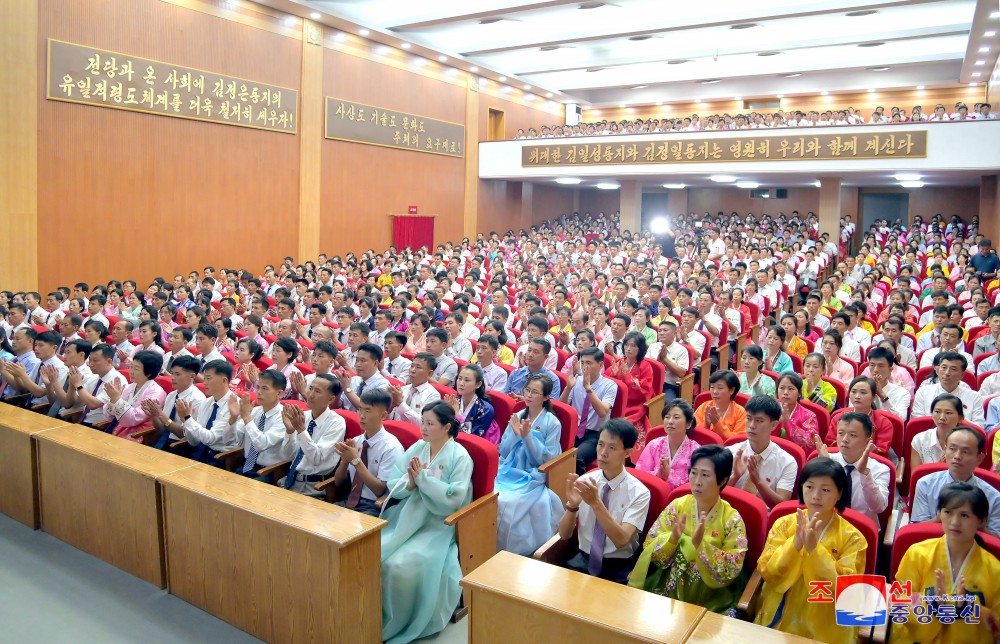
755	120
835	361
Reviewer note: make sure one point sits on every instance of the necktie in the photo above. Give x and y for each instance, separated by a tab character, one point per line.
62	346
86	410
361	388
290	477
357	483
165	435
850	470
251	460
584	415
599	539
388	367
202	451
616	344
170	363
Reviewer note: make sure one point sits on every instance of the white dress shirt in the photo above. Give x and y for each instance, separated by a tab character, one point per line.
494	377
319	457
777	468
414	401
927	357
192	396
869	492
628	502
398	368
267	442
167	357
98	415
383	451
461	348
972	402
196	428
377	381
63	374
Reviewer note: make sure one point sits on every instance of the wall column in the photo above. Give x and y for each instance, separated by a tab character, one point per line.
311	107
470	225
829	207
677	203
631	205
527	204
19	144
989	208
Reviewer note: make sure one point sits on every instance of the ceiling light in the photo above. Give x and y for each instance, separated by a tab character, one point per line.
906	176
738	98
473	69
920	86
871	44
679	61
621	105
340	37
419	62
382	50
818	183
659	226
674	186
527	87
879	69
659	103
747	185
791	75
363	32
697	100
973	84
442	58
548	95
989	34
639	38
912	184
825	93
871	91
995	14
608	186
529	97
502	79
507	89
591	70
569	181
983	50
976	74
980	62
315	15
640	87
722	178
744	25
768	53
710	81
781	96
452	71
863	12
405	45
482	81
550	48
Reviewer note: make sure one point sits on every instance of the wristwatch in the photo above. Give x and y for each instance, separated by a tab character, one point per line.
79	387
349	390
356	462
571	509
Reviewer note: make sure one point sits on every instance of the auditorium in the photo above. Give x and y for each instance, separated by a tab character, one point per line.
499	321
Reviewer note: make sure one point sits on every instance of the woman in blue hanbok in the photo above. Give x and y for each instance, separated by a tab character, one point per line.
420	569
528	510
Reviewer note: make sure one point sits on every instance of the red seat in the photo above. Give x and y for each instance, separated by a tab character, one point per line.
980	358
897	427
968	376
128	376
981	378
407	433
305	368
263	363
618	408
659	495
112	321
270	337
444	390
659	375
854	364
796	363
165	383
822	416
485	463
753	511
561	357
305	343
353	422
840	388
570	420
864	525
503	408
563	380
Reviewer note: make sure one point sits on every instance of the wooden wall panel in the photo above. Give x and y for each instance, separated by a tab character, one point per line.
362	184
727	200
129	195
499	205
596	201
931	200
549	202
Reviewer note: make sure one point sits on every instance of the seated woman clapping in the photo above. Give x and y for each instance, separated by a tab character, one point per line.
695	550
669	457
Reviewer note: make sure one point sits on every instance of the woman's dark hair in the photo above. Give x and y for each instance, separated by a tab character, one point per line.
954	400
497	325
837	338
731	379
794	378
821	466
547	386
227	324
151	362
686	409
955	495
778	331
151	310
755	352
721	459
480	380
817	356
199	312
155	328
649	316
588	333
444	414
4	342
256	351
640	343
289	346
425	321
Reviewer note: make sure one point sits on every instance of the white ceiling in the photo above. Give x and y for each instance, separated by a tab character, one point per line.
596	53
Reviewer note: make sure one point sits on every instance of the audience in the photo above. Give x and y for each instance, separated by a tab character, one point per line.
722	414
869	478
760	466
669	456
472	406
592	396
259	429
311	437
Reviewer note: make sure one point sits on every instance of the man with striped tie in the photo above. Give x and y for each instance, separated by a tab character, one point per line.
183	371
204	426
259	429
310	437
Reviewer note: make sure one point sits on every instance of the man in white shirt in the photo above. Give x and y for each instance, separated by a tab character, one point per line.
46	345
177	343
260	429
759	466
869	477
91	391
382	319
494	376
716	245
812	307
856	332
182	373
612	344
204	341
894	399
366	461
96	310
851	349
367	365
36	314
311	437
949	368
204	425
607	508
394	365
673	355
459	347
58	389
951	340
410	400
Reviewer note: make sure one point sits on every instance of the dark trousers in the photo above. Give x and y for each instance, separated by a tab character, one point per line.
616	570
586	450
364	506
670	392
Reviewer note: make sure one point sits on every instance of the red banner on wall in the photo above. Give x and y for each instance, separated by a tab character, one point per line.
408	230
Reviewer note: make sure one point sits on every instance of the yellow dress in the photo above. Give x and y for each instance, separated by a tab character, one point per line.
504	355
797	346
982	578
788	573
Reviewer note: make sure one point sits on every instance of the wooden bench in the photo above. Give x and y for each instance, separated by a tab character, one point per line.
279	565
98	493
713	628
18	469
517	599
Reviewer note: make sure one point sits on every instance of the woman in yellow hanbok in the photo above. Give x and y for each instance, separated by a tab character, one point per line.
814	544
955	564
695	550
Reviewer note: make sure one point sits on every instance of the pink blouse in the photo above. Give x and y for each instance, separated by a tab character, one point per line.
656	449
128	410
801	428
842	371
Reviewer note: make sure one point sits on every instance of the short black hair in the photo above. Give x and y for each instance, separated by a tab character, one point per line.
208	330
220	367
543	343
764	405
187	363
372	350
721	459
428	358
857	417
955	495
731	379
951	356
377	397
821	466
623	430
980	440
275	377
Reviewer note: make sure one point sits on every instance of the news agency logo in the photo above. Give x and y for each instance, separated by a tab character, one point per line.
861	600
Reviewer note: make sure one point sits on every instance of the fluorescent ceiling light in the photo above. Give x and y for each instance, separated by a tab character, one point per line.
989	34
569	181
442	58
722	178
473	69
527	87
920	86
907	176
363	32
405	45
912	184
548	95
825	93
818	183
640	87
738	98
749	185
608	186
674	186
781	96
980	63
315	15
502	78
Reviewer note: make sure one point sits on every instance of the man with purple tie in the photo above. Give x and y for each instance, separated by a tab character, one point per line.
607	507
